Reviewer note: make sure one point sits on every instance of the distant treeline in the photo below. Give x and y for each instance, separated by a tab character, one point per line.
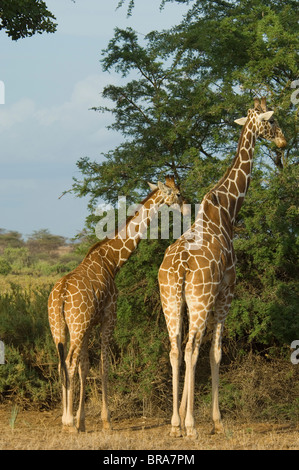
42	253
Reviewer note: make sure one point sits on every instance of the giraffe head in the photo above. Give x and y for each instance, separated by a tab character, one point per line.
170	192
266	126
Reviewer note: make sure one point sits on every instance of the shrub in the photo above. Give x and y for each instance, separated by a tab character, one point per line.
18	258
29	374
5	267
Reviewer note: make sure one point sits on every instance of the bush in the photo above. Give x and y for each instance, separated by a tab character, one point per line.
5	267
18	258
266	303
29	374
256	388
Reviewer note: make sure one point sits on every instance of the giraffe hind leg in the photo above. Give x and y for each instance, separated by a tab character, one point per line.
83	368
71	365
63	372
175	361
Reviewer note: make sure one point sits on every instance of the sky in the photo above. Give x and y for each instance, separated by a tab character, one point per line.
50	83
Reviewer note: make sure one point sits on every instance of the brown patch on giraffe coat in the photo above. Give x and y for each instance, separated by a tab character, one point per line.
241	182
246	166
223	200
233	188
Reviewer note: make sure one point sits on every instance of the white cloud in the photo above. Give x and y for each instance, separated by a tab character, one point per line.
69	114
17	113
62	132
85	95
40	148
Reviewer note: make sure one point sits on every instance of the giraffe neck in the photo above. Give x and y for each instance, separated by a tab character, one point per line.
232	188
126	240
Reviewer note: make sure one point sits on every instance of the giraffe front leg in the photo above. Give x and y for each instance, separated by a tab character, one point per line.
107	330
222	306
105	414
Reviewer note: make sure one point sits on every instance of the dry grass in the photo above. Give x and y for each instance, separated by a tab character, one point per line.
34	430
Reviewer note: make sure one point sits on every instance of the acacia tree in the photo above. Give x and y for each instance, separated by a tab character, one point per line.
43	241
182	90
176	114
24	18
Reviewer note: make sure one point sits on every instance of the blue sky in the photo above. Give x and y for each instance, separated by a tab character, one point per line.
51	81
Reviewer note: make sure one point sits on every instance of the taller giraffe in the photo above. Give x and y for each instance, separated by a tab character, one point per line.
199	269
87	296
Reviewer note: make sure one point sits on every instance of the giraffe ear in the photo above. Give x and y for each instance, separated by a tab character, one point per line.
161	186
164	188
152	186
241	121
265	116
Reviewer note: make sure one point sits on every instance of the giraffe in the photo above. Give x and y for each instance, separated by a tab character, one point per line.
87	296
198	270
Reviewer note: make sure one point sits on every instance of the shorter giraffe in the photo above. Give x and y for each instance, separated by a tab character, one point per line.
199	269
87	296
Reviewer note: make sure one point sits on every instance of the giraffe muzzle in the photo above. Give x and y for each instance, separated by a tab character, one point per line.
280	142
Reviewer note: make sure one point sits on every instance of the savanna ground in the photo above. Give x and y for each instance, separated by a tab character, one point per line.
41	430
258	401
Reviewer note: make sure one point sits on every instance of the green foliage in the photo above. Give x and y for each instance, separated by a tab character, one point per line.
265	308
140	335
43	254
29	374
18	258
5	267
24	18
10	238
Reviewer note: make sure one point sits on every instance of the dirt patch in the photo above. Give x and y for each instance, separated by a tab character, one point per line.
41	430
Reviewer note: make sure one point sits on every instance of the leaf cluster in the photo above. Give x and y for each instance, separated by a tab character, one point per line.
24	18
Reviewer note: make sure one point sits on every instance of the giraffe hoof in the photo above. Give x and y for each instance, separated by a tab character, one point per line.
175	432
218	428
70	429
107	426
81	427
191	433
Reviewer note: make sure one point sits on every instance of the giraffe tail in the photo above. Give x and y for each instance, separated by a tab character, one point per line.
62	328
63	368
